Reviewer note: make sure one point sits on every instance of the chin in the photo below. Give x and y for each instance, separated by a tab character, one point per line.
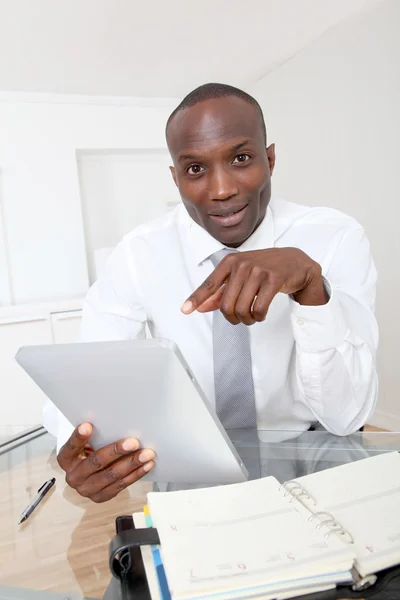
234	238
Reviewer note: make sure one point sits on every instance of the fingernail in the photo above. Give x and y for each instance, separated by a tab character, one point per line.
148	466
130	444
187	306
84	429
146	455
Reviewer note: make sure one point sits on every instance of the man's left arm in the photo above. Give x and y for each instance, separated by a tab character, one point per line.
334	326
336	342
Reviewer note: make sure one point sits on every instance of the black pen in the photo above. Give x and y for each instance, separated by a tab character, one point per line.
42	491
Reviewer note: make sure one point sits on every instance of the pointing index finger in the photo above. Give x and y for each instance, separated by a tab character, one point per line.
207	288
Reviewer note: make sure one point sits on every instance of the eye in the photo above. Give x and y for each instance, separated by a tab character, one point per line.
194	169
241	158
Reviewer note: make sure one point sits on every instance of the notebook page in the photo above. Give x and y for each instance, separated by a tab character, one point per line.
288	591
240	536
154	589
364	497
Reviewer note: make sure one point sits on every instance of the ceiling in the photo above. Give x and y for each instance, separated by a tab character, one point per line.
154	48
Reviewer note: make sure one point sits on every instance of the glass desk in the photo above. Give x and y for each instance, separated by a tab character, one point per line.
61	551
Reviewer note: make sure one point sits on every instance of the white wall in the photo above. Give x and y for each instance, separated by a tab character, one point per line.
40	196
333	111
5	289
119	190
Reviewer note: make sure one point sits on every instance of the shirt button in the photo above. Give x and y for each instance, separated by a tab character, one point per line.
300	321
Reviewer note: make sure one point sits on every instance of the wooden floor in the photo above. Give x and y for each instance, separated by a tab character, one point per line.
372	428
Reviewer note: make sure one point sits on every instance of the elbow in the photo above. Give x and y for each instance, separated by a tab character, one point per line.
355	412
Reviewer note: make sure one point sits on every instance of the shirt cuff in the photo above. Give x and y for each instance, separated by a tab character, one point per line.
319	328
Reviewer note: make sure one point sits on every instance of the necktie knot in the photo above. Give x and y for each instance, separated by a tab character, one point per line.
220	254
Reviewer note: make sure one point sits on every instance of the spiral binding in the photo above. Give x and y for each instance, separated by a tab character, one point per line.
333	524
297	491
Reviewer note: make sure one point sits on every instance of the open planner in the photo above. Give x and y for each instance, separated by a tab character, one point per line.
261	539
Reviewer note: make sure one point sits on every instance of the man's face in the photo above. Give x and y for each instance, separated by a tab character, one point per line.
221	167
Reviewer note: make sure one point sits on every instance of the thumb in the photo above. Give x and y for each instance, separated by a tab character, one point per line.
74	448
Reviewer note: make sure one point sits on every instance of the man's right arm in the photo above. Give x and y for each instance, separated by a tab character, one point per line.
112	310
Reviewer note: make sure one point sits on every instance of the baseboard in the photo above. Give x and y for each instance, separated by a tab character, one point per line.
385	421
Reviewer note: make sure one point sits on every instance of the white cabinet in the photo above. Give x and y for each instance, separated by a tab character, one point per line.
21	401
65	326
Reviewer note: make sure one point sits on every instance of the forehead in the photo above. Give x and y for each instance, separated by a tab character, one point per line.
212	123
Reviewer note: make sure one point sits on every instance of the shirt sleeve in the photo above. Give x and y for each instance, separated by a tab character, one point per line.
112	310
336	343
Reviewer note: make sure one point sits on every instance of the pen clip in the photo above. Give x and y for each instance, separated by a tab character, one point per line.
46	483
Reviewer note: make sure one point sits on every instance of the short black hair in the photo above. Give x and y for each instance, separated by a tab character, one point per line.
211	91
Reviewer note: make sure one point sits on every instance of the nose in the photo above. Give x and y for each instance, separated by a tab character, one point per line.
222	185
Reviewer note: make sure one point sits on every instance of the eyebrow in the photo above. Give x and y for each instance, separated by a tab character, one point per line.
239	146
236	147
187	157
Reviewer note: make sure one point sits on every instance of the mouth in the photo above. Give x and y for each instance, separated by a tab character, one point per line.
230	219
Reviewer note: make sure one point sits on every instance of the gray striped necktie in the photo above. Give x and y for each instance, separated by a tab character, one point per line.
233	378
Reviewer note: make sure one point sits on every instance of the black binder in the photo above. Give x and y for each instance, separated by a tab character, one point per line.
130	583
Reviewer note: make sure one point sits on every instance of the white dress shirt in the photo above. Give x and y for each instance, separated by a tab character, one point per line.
310	363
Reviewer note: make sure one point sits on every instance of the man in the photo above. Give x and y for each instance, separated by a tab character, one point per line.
271	303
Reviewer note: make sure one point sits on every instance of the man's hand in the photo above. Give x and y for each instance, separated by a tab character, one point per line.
101	475
244	284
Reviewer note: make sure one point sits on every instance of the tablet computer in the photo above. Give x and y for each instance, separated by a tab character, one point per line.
142	389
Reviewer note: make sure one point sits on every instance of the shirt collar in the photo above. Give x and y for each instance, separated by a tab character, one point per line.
204	245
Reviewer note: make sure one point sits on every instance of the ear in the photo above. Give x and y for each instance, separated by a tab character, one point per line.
271	157
173	173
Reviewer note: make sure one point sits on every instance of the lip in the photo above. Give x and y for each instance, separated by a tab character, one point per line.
230	220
